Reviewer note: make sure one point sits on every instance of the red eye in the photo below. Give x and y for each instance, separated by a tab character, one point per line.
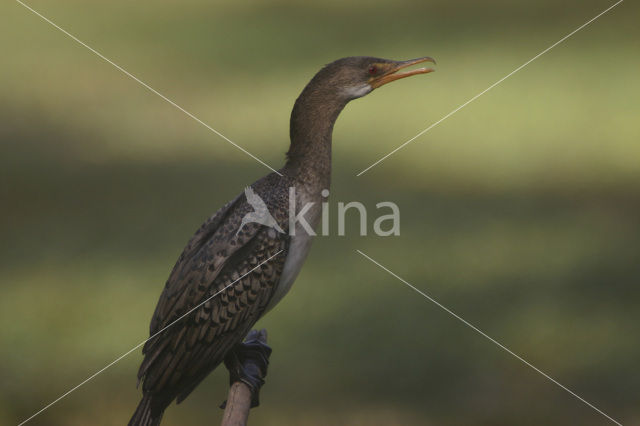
373	69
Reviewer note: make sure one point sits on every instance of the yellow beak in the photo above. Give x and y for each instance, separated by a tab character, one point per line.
392	73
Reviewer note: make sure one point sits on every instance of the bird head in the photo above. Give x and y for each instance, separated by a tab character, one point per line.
356	76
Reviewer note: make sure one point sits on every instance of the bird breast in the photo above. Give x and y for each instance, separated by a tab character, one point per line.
299	246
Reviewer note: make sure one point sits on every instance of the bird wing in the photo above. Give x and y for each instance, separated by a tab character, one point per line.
215	260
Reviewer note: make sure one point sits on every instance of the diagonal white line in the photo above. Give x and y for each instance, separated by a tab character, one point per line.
489	88
142	343
151	89
500	345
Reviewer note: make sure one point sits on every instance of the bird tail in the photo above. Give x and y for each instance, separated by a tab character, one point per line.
148	413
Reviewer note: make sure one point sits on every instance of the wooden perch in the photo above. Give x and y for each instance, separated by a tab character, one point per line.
247	364
236	411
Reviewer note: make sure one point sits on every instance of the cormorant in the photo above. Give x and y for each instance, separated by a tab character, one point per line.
223	254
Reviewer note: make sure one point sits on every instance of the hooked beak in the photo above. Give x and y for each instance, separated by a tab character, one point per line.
392	74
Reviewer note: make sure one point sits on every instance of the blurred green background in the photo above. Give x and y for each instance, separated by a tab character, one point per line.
521	212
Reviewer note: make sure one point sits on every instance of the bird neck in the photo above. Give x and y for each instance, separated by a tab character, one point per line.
312	119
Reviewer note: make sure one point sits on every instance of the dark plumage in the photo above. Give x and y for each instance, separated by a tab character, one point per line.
180	357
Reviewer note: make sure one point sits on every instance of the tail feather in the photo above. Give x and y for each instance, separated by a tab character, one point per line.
148	413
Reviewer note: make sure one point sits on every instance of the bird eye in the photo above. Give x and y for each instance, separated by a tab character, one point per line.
373	69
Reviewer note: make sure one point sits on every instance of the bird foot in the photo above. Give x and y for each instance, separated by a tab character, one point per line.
247	362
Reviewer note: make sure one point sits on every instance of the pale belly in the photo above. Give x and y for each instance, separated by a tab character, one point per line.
299	247
298	250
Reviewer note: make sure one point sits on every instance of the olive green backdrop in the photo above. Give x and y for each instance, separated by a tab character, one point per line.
521	212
